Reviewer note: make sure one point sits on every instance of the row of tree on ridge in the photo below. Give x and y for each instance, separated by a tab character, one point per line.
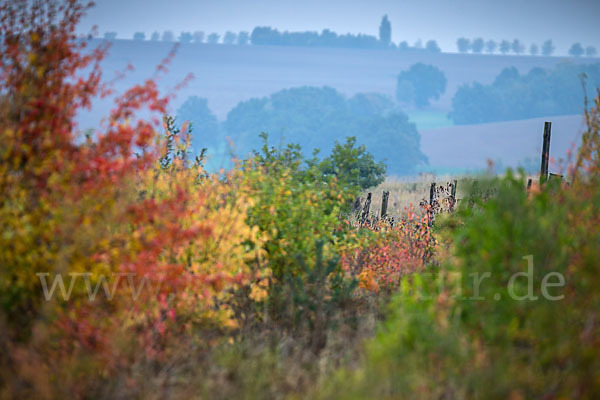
264	35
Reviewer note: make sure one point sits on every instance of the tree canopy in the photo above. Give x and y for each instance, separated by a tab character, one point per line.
538	93
315	117
420	84
385	31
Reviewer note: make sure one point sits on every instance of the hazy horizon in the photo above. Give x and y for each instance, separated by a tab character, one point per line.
531	22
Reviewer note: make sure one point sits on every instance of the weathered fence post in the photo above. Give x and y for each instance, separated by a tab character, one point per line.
356	207
529	182
384	203
431	193
545	152
365	213
431	198
453	194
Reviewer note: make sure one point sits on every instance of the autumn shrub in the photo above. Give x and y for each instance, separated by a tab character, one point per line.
396	249
148	248
512	313
299	210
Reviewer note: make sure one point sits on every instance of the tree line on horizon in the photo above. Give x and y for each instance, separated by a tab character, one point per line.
266	35
479	45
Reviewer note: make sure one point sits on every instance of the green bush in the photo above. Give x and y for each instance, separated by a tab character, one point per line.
353	166
449	337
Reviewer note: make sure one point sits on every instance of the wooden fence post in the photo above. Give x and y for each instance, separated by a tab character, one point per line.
431	198
545	152
365	213
384	203
453	194
529	182
431	193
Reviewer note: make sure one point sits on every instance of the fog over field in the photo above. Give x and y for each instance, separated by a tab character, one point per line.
565	22
228	74
443	64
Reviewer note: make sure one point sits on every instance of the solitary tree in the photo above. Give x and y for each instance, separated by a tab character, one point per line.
155	36
168	36
229	37
139	36
490	46
534	49
477	45
243	38
110	35
547	48
403	45
590	51
576	50
504	46
432	46
420	83
463	44
213	38
385	31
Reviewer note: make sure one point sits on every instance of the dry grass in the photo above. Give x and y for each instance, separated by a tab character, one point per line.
405	192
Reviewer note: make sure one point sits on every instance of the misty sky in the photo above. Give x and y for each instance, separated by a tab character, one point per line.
564	21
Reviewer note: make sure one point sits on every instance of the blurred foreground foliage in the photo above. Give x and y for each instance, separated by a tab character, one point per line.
447	336
259	282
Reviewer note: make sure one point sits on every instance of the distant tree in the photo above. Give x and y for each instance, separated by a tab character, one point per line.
547	48
213	38
206	129
418	44
198	36
168	36
477	45
576	50
110	35
315	117
504	46
463	44
512	96
590	51
243	38
328	37
155	36
534	49
229	38
405	92
185	37
517	47
385	31
490	46
432	46
403	45
139	36
427	82
264	35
